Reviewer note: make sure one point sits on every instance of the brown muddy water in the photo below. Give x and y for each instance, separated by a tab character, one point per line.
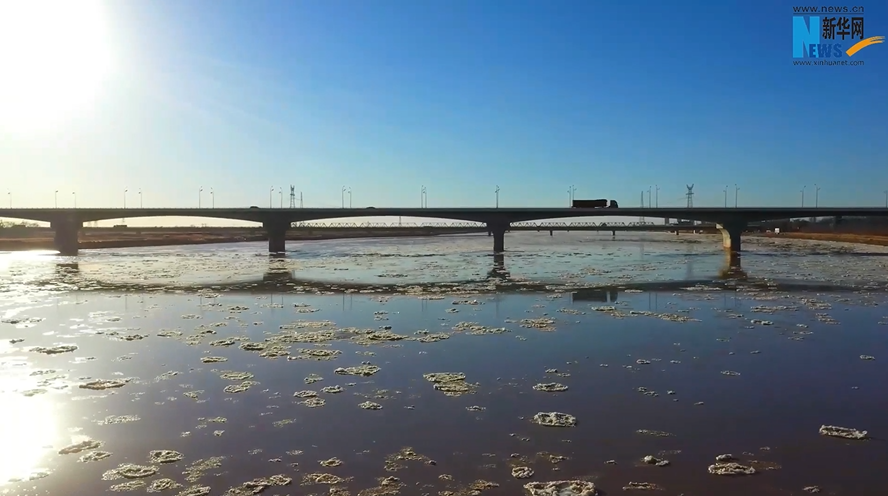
422	368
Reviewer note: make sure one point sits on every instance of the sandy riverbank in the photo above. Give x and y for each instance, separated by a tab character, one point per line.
866	239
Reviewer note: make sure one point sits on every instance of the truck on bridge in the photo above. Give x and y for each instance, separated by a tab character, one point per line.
600	203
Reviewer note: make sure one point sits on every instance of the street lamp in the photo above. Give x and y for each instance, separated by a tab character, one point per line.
212	198
497	196
726	195
802	191
649	197
570	196
269	196
140	197
736	194
75	198
281	192
124	197
342	197
56	198
349	198
656	196
886	199
199	196
9	195
816	196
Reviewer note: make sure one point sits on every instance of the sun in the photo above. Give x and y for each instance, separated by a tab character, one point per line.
54	56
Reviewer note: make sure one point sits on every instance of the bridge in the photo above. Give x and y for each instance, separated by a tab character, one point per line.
732	222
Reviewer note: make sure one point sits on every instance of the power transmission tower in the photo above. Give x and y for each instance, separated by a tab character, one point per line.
690	196
292	196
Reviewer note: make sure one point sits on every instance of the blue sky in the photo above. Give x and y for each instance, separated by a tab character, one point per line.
384	96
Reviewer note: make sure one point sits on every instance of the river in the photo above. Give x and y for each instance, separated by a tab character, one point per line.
217	369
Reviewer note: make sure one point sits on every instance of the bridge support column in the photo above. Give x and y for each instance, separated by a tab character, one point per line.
550	233
498	231
66	236
277	236
837	221
731	232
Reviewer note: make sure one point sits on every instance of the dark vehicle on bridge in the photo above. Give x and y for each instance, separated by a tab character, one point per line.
253	206
371	208
600	203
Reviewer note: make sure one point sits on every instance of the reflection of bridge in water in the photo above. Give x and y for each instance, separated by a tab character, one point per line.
278	273
279	278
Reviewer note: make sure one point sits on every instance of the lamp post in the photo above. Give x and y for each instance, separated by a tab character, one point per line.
349	198
736	194
656	196
802	191
56	198
124	197
726	196
570	196
649	197
281	193
886	199
497	196
212	198
816	196
199	196
9	195
75	198
423	197
140	197
270	191
342	197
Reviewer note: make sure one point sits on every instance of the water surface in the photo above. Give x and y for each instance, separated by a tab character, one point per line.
647	332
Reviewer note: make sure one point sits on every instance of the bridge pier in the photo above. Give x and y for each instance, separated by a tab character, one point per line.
837	221
277	236
731	232
66	236
498	231
550	233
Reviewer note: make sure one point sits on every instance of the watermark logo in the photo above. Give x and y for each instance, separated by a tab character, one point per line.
834	33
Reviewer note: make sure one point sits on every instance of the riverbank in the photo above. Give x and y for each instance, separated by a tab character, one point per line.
146	238
864	239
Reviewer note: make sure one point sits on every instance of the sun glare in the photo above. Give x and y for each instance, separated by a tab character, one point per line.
27	427
54	55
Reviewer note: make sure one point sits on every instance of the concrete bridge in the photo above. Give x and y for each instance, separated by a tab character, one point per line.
732	222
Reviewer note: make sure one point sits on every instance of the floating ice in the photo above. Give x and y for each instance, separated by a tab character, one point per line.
642	486
54	350
730	468
554	419
164	456
844	432
87	445
99	385
561	488
522	472
362	370
550	387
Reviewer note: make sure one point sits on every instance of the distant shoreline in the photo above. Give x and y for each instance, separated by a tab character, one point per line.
41	239
136	238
